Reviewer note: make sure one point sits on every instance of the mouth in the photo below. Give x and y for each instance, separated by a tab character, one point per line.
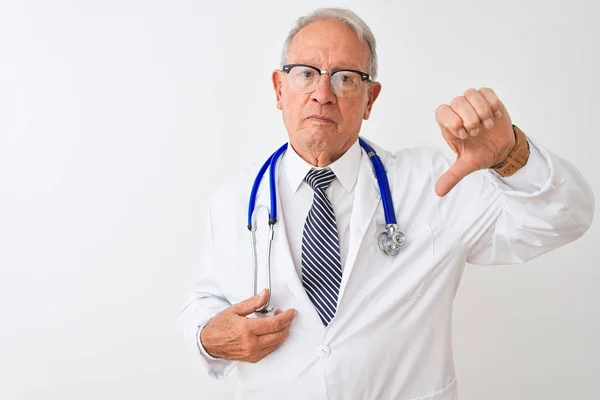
319	118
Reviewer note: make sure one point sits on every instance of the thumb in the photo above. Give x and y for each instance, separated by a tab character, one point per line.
453	175
251	304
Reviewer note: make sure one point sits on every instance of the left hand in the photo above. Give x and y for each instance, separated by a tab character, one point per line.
478	129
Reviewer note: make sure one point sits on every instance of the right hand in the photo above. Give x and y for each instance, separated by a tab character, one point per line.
233	336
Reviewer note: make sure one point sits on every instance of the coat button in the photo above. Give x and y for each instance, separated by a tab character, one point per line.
323	351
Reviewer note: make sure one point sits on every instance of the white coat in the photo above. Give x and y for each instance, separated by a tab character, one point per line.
391	336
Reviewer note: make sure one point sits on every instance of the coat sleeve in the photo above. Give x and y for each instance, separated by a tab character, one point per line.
205	300
545	205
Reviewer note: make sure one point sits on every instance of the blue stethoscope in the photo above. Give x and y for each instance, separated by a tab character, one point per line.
390	241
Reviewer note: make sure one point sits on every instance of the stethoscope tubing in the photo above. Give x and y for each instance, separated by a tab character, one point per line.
272	185
378	167
270	163
384	185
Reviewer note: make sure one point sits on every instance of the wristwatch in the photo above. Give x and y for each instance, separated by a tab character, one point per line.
517	158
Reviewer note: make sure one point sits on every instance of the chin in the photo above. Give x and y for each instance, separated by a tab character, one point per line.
321	139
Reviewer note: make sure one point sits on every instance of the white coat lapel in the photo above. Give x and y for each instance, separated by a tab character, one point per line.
366	200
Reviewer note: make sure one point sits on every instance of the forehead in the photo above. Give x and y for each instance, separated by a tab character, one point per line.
328	44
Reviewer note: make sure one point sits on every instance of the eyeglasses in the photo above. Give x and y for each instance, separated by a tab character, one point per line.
304	79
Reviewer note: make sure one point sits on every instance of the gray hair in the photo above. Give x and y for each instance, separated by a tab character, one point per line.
353	21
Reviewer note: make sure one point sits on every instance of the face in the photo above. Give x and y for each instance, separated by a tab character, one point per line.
320	122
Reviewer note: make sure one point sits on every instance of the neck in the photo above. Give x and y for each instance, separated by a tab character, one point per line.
322	157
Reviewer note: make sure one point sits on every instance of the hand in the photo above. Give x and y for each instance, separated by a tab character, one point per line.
478	129
232	336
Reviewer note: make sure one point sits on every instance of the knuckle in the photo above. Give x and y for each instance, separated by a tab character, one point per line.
486	113
491	97
455	125
470	92
439	111
250	302
251	358
470	125
276	325
457	101
280	336
495	104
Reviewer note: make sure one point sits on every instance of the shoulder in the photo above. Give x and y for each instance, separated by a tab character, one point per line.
419	159
234	188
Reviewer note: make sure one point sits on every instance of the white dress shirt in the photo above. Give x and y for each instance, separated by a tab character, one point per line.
297	197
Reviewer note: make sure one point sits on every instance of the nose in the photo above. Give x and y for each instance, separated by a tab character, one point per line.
323	94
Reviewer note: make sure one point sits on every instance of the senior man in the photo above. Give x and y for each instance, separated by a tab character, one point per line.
358	323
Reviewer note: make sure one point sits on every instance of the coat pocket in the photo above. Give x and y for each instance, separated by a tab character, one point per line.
447	393
406	275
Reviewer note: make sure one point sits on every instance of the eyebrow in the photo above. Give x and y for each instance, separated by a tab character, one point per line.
342	65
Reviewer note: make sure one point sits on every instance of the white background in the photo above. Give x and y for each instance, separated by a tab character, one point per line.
117	118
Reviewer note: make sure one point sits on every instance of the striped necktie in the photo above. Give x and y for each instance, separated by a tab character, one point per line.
321	263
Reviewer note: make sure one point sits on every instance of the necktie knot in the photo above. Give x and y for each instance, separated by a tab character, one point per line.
320	178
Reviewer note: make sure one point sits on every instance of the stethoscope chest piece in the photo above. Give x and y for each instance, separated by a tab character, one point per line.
391	240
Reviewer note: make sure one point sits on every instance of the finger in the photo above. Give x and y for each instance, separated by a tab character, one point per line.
455	174
481	107
461	106
268	350
449	121
272	339
251	304
493	100
264	326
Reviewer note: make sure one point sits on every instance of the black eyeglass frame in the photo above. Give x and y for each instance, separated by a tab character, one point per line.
364	76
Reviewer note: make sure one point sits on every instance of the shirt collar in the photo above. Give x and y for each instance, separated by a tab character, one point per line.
345	168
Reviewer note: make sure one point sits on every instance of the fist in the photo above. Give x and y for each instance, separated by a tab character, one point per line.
233	336
478	129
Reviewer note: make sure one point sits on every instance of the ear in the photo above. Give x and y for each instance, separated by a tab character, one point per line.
373	92
277	84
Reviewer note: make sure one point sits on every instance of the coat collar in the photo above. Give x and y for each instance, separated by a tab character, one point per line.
345	168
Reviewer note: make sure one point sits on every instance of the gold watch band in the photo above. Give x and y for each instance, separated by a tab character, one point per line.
517	158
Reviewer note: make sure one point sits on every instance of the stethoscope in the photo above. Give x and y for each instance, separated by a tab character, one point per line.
390	241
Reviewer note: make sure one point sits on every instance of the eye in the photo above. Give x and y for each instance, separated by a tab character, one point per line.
306	73
347	78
